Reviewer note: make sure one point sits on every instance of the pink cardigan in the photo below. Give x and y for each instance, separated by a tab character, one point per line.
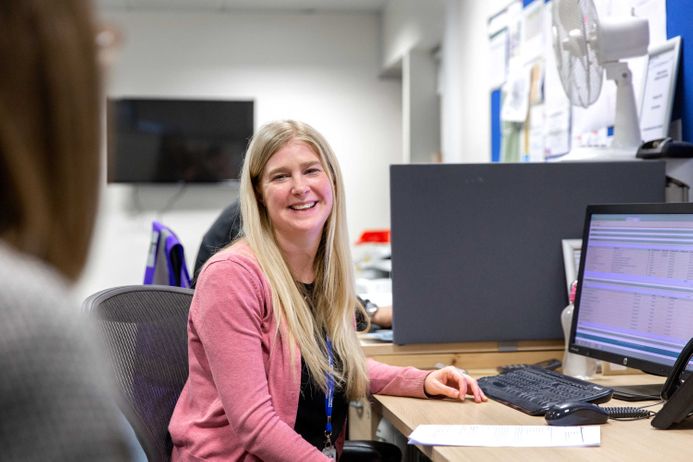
241	397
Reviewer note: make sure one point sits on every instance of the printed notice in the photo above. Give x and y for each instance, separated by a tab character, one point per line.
524	436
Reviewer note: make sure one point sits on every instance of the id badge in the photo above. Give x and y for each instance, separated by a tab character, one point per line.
330	451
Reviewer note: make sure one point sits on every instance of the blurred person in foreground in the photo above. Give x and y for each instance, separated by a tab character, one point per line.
54	401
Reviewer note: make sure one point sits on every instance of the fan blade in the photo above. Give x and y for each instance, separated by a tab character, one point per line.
575	43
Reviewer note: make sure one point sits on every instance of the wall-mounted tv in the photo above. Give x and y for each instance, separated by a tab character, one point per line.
177	140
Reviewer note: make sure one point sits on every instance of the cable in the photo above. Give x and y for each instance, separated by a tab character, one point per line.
172	200
661	401
628	413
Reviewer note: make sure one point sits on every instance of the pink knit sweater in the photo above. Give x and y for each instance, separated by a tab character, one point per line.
241	397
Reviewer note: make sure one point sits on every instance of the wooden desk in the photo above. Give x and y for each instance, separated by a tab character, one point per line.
472	355
635	440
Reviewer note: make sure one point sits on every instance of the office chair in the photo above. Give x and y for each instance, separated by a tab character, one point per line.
166	258
144	330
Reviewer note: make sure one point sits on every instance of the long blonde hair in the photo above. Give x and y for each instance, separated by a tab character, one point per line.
335	298
49	130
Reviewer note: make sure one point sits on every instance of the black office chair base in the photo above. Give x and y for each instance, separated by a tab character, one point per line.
370	451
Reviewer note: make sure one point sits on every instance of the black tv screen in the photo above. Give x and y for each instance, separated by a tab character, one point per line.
177	140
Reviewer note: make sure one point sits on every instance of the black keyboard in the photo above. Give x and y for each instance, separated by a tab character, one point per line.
533	390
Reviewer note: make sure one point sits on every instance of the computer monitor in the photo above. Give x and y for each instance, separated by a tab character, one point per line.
164	140
476	248
634	301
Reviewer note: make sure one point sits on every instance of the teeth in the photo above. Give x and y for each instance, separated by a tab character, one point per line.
303	207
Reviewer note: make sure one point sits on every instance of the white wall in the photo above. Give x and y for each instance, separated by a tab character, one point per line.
409	24
320	68
412	31
459	27
420	106
470	110
451	74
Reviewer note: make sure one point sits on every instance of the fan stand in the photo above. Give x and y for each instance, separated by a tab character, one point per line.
626	125
626	139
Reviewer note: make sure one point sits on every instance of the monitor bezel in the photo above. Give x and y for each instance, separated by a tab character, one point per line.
649	367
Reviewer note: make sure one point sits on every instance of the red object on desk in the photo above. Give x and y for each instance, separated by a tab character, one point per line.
378	236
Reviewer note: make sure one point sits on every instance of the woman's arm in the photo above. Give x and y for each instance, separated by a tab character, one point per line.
395	380
409	381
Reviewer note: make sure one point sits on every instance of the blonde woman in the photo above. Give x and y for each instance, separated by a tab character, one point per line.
274	358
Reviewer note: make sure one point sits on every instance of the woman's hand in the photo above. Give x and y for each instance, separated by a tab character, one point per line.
453	383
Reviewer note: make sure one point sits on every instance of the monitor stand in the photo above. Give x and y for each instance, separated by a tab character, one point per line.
638	392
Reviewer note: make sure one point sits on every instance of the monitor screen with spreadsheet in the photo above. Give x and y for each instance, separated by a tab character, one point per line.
634	303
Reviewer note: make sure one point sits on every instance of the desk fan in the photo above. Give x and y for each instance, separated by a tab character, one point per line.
585	47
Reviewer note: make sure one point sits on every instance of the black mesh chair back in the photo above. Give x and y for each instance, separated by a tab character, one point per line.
144	331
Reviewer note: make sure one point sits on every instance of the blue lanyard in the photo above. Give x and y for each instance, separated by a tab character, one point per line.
329	450
329	396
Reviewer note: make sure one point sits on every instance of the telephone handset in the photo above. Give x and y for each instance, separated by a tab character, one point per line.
678	391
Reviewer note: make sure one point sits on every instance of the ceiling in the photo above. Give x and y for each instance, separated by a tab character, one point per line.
229	5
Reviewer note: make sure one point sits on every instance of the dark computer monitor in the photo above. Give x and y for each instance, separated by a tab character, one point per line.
634	302
476	248
166	140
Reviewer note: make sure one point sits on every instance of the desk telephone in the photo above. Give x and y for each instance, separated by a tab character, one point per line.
678	391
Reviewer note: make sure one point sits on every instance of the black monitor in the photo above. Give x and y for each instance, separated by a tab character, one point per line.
154	140
634	301
476	248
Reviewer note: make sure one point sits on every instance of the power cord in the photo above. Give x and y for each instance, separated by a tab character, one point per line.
629	413
168	205
173	199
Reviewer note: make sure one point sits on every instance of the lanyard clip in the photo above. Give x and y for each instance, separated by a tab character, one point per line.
329	450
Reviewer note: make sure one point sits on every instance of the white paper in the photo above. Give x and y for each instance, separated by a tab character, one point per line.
557	130
497	22
497	58
506	435
656	106
536	133
557	107
516	96
532	31
514	18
